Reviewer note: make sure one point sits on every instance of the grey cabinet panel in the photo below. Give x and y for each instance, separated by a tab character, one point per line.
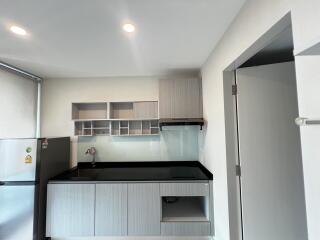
185	228
211	212
111	210
145	110
143	209
184	189
180	98
70	210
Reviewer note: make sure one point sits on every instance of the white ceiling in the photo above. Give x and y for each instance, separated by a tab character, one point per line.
84	38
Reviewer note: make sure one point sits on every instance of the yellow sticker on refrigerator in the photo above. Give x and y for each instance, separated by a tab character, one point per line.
28	159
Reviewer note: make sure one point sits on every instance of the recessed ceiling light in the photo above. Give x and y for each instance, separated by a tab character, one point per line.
128	27
18	30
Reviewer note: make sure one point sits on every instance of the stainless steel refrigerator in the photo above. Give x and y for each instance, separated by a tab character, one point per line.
25	167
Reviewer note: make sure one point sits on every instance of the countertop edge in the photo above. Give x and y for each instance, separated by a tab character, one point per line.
101	165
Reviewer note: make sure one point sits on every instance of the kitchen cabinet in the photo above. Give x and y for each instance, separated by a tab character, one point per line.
185	228
180	98
70	210
185	209
184	189
143	209
111	210
129	209
145	110
116	118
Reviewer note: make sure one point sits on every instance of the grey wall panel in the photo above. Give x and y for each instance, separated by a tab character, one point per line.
111	210
70	210
211	209
165	94
185	228
143	209
184	189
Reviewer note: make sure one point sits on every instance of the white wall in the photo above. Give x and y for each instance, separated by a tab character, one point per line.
18	106
308	84
306	18
59	94
256	18
173	144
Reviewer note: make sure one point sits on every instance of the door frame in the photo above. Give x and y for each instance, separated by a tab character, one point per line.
231	126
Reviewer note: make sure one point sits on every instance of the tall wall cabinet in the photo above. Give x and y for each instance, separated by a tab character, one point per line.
180	98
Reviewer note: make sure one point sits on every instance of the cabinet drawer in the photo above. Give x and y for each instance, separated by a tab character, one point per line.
185	228
184	189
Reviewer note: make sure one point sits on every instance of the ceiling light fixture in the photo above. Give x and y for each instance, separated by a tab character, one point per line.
128	27
18	30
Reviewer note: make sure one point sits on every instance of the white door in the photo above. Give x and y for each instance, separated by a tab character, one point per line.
273	205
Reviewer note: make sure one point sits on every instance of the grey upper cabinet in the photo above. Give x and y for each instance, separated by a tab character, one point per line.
145	110
111	210
70	210
180	98
143	209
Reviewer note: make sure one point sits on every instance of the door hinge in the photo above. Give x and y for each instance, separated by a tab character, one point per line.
238	170
234	89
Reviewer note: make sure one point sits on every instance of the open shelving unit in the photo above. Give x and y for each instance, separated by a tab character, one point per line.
116	118
89	111
92	128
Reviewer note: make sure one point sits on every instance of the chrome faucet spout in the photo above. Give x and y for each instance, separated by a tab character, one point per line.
92	151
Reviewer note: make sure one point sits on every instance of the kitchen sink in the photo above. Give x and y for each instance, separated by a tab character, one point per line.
86	174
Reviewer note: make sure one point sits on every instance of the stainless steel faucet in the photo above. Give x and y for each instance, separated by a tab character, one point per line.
92	151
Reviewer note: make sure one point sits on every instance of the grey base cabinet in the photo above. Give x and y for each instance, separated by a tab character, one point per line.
185	228
111	210
70	210
129	209
143	209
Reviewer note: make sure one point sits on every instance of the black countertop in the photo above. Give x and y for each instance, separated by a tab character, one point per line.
137	171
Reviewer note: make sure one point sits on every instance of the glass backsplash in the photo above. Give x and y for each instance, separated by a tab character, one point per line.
175	143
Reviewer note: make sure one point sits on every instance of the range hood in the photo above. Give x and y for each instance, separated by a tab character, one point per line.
181	122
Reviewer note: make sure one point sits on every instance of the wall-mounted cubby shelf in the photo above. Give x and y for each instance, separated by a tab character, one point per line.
116	118
92	128
134	127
